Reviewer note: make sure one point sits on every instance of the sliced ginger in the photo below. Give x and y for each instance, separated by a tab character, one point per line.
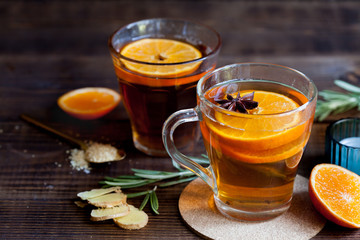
97	192
109	213
136	219
108	200
112	205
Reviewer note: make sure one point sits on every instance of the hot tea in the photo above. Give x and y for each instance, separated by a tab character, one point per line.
255	120
149	100
158	63
255	157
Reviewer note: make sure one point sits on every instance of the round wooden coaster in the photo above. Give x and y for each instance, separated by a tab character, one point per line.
198	209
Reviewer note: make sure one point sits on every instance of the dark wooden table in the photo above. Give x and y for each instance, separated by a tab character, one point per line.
50	47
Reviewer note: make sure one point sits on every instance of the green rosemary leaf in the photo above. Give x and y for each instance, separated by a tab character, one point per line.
137	194
134	185
125	180
346	107
201	161
144	202
347	86
111	183
165	176
127	177
134	182
335	106
333	95
155	211
154	202
145	171
337	102
171	183
159	177
139	172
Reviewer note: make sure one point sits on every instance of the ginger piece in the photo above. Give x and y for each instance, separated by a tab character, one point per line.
108	200
109	213
136	219
97	192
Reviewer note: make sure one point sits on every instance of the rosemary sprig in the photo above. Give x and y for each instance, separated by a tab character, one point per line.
171	183
125	185
142	177
337	102
145	201
154	202
160	175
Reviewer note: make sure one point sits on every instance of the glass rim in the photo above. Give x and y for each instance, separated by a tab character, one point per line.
213	52
330	135
245	115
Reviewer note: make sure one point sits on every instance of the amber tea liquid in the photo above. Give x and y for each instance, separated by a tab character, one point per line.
149	101
255	173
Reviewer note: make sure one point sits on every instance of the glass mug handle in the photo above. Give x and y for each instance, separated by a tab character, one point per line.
174	120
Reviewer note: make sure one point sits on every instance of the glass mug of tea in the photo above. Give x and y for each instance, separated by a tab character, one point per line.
255	121
158	63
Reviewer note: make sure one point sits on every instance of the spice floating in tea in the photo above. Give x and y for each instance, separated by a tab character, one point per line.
240	104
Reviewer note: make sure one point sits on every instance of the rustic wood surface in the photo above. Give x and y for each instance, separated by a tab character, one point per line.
50	47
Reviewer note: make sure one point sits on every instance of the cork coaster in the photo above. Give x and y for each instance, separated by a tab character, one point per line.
301	221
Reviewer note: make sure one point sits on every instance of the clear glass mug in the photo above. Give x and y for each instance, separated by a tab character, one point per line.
253	157
150	99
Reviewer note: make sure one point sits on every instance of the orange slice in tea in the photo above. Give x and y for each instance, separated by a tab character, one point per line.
89	103
335	193
166	51
262	138
294	161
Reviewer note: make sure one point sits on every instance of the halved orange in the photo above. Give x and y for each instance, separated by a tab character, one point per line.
166	51
89	103
335	193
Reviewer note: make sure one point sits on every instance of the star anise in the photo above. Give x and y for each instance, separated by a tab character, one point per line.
240	104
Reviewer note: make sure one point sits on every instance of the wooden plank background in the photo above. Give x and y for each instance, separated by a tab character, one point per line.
50	47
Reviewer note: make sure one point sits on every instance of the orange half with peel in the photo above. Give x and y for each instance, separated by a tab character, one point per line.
89	103
161	51
262	138
335	193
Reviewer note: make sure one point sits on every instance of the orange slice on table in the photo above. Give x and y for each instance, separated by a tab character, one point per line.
154	50
260	139
89	103
335	193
